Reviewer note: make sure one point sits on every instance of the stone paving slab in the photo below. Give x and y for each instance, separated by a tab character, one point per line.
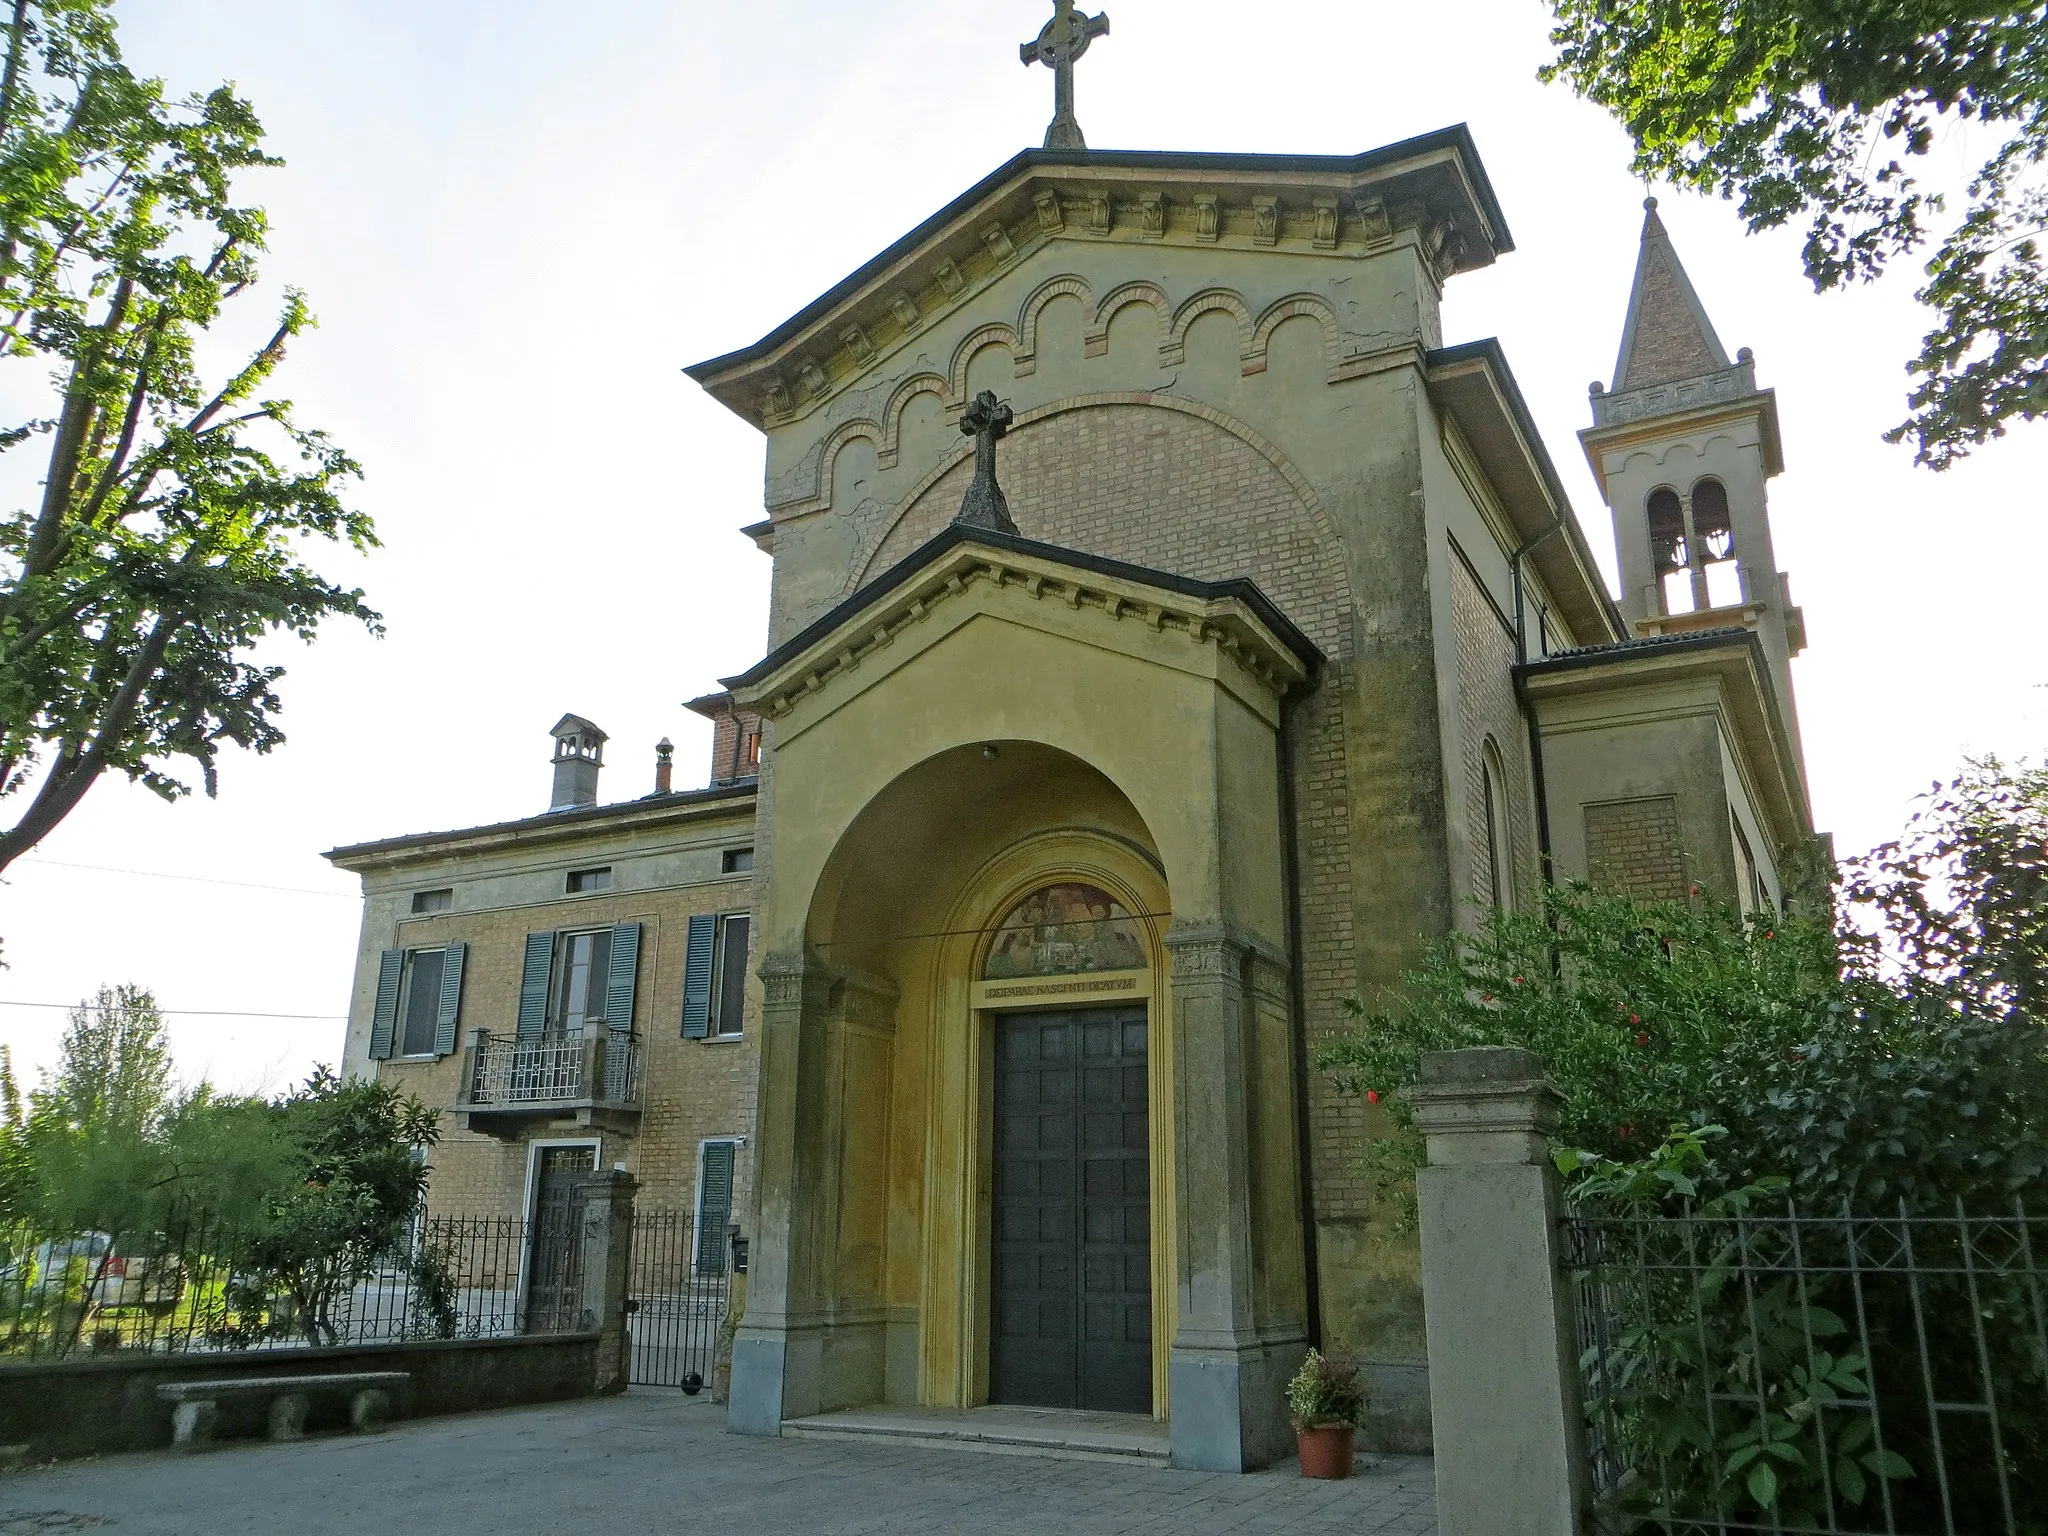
656	1461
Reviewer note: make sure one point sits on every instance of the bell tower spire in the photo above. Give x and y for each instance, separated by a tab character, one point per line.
1682	444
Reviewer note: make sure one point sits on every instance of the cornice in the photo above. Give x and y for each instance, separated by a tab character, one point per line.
1233	617
1680	415
1430	190
1733	660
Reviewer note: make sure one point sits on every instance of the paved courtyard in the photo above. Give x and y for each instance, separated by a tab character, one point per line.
655	1461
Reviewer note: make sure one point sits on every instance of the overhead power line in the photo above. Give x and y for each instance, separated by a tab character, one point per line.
157	874
207	1013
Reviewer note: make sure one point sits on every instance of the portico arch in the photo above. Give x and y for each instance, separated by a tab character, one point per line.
903	916
996	716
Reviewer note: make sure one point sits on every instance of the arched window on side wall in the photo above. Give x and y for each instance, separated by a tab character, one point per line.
1715	534
1500	861
1669	556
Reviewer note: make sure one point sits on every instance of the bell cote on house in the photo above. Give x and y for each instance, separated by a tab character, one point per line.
579	754
1682	444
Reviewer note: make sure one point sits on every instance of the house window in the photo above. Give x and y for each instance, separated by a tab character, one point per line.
581	969
583	881
433	901
419	1001
715	975
736	860
729	978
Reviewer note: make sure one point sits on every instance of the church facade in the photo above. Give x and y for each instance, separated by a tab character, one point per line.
1262	647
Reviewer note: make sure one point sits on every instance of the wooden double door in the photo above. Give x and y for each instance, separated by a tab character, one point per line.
1071	1313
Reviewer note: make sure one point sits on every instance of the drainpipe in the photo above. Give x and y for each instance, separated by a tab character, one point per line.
1290	862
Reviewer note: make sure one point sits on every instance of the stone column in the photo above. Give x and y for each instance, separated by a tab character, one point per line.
1503	1362
607	1238
1225	1381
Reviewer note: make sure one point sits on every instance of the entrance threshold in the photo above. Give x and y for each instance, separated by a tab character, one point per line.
1002	1430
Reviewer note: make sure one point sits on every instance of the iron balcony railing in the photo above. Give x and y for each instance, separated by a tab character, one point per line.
602	1067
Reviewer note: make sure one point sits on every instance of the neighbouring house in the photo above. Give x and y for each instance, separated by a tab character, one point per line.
1170	633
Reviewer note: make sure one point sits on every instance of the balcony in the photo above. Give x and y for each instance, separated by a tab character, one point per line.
508	1084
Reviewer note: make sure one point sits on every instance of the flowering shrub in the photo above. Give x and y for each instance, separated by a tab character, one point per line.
1326	1393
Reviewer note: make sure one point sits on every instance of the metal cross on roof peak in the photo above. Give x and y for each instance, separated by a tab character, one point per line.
1061	41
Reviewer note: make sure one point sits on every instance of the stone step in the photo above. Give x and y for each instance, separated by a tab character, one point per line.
1048	1433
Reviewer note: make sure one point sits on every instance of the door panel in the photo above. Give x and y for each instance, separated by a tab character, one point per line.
1072	1293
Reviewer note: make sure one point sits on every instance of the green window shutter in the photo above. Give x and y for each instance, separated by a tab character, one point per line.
451	999
697	977
533	985
714	1207
625	965
384	1017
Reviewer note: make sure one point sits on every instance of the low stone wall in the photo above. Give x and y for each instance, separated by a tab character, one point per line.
95	1406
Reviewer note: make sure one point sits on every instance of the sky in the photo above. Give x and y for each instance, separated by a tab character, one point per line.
518	222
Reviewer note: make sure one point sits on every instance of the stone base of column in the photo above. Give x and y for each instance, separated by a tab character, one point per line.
1229	1406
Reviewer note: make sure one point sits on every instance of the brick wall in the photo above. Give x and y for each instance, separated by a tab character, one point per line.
1172	490
690	1089
1634	846
735	738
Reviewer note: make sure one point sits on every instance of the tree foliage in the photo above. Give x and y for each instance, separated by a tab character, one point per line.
303	1195
174	512
1900	1053
1828	112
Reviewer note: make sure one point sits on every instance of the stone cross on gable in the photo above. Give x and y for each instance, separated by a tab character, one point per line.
1062	40
984	505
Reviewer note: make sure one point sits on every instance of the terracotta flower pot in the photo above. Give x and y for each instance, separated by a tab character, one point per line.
1325	1449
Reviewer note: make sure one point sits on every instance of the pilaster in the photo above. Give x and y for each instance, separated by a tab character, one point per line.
1226	1373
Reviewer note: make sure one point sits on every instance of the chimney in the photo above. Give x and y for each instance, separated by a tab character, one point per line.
664	765
579	753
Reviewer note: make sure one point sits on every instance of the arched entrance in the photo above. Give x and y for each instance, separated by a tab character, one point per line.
990	918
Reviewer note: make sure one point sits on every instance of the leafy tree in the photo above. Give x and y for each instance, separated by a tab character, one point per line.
170	532
1828	111
1902	1053
355	1186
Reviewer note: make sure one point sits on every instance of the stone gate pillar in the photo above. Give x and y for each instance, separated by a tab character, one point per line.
1503	1366
607	1242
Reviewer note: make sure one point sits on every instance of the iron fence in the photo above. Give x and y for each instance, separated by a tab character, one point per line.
196	1287
678	1291
1859	1375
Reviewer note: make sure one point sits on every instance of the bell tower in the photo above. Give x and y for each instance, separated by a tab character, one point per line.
1682	444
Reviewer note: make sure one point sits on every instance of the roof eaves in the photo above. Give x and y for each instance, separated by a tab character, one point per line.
1457	139
585	817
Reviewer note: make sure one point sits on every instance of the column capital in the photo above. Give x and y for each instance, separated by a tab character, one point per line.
1488	1104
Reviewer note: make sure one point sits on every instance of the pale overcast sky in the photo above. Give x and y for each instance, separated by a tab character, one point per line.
519	221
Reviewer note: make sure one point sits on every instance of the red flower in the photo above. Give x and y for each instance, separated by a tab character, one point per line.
1642	1039
1486	997
1633	1019
1768	934
1627	1131
1518	981
1695	890
1372	1095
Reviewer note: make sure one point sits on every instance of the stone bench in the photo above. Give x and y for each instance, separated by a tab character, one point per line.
373	1396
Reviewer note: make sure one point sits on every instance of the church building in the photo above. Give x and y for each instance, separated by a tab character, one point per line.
1170	633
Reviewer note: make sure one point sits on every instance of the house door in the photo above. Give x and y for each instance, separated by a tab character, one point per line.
1071	1306
554	1267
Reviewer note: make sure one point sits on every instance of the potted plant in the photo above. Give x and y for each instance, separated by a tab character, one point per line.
1326	1401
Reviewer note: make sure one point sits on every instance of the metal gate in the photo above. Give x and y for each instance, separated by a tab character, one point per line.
676	1301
